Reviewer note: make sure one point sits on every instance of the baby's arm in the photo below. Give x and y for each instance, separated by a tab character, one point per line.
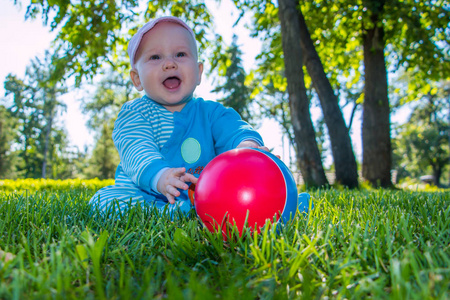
133	137
173	179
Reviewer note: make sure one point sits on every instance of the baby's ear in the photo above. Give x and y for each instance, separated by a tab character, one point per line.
136	80
200	72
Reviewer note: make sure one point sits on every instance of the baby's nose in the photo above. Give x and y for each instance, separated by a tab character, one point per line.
170	64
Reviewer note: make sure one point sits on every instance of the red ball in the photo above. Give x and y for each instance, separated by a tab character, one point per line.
245	183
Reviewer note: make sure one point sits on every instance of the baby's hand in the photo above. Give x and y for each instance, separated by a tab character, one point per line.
252	144
173	179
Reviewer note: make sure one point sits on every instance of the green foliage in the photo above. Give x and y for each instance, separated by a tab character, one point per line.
7	136
23	109
89	33
111	92
34	104
420	38
416	35
416	32
267	80
95	34
42	185
105	158
422	144
359	244
236	93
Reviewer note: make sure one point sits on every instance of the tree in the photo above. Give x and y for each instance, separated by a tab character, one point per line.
341	146
423	142
269	89
34	103
376	138
104	159
21	107
47	93
382	34
7	136
308	155
111	92
236	93
430	19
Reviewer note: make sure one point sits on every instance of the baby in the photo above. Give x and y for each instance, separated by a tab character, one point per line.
166	137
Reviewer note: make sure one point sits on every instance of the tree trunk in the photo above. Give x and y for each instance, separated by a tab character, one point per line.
437	173
28	173
105	157
341	145
308	155
48	131
2	149
376	139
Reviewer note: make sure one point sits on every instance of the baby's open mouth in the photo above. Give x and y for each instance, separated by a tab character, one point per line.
172	82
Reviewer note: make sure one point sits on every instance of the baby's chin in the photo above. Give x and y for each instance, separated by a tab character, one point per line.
174	105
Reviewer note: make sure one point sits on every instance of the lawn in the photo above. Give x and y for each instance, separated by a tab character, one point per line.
378	244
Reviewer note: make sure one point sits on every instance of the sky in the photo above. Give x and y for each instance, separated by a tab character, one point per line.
23	40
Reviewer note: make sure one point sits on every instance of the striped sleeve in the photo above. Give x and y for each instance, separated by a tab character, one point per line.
139	153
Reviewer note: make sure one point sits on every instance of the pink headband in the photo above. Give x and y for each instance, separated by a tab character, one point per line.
135	41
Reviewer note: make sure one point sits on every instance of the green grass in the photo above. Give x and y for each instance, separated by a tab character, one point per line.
355	244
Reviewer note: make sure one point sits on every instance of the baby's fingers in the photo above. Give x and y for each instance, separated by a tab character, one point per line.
170	198
178	172
178	183
187	177
267	149
171	193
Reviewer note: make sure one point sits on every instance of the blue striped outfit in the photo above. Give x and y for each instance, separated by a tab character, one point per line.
149	138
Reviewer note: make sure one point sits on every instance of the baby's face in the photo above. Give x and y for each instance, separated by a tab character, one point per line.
167	66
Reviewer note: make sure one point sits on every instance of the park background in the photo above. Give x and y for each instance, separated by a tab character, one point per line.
78	144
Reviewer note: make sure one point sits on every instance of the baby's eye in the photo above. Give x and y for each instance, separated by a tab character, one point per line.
154	57
181	54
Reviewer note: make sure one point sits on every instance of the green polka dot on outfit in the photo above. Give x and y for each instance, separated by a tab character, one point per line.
190	150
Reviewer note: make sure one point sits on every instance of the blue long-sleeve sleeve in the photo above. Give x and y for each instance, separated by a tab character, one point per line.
229	130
